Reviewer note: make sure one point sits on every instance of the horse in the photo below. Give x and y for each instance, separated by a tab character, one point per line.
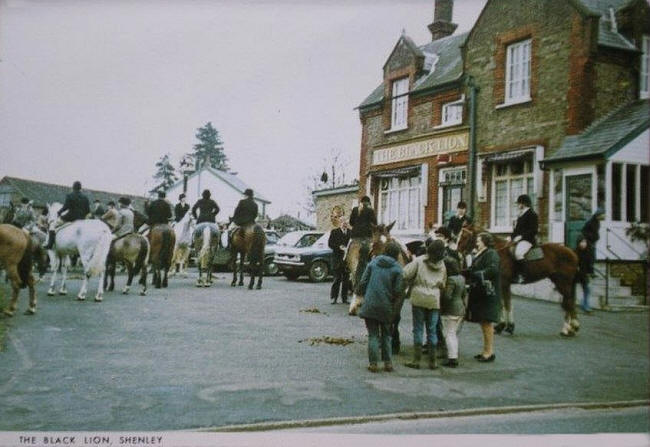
357	264
132	250
183	230
40	256
7	213
89	239
560	265
161	240
16	258
248	241
206	242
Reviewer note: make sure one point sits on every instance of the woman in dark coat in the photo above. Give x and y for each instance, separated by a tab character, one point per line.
484	300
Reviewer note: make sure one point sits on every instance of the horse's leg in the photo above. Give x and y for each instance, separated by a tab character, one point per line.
165	272
56	263
260	274
65	265
233	260
199	280
253	270
242	255
84	287
143	279
156	275
566	287
129	280
14	278
31	310
99	296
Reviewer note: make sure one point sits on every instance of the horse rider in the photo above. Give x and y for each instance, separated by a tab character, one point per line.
459	220
98	210
111	217
159	211
76	207
24	215
245	213
181	208
362	218
525	232
208	209
125	222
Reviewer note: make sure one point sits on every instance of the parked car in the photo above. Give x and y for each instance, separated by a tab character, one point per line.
304	253
270	267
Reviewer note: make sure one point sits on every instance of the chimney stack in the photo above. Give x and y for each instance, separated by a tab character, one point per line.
442	26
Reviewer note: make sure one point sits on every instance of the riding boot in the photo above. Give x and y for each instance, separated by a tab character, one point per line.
519	272
433	358
417	355
50	239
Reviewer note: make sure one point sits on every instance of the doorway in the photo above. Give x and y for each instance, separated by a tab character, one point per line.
579	200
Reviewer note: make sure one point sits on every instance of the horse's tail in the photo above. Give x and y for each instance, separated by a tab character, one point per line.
166	248
257	247
204	253
143	255
25	264
97	262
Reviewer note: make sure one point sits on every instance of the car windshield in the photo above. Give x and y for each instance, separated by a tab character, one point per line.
307	240
272	237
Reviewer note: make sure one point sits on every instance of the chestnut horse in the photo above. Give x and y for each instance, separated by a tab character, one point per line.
132	250
560	265
380	237
161	241
16	258
248	241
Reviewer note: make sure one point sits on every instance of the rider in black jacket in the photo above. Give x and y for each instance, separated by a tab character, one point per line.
362	218
159	211
246	211
208	209
181	208
76	205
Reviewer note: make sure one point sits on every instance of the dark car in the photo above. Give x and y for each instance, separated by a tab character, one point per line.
304	253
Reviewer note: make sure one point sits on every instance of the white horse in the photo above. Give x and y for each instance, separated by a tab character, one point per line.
184	230
90	239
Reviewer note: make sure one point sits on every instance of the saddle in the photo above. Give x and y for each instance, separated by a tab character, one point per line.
534	254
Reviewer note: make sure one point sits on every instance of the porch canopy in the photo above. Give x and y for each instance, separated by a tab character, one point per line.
605	136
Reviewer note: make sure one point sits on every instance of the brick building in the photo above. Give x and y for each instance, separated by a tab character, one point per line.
333	204
553	78
414	130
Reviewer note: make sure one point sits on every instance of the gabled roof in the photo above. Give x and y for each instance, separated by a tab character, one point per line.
230	179
409	44
447	68
607	37
605	136
43	193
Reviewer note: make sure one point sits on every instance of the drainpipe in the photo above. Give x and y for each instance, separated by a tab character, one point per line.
473	89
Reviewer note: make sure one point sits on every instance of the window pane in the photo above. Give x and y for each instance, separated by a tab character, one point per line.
501	203
517	167
600	186
516	189
557	195
631	193
616	190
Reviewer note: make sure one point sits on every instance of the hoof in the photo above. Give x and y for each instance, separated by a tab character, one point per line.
199	284
81	298
250	287
125	292
568	334
259	287
143	293
8	313
50	293
63	292
30	311
510	328
499	328
240	284
233	284
98	299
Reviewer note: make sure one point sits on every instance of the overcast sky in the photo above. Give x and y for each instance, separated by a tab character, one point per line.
99	90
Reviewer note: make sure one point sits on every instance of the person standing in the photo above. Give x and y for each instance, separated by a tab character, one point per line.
459	220
525	233
208	209
159	211
381	285
484	295
586	250
181	208
452	309
428	276
338	242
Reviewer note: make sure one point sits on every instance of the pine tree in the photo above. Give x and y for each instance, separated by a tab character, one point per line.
165	173
209	149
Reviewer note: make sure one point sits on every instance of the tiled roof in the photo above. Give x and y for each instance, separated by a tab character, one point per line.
42	193
606	36
448	67
606	135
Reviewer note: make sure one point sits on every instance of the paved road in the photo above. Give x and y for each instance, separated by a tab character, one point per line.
188	358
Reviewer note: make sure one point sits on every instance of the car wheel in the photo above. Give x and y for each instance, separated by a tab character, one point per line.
291	276
318	271
270	267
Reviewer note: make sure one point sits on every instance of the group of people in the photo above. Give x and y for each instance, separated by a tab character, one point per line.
121	219
438	285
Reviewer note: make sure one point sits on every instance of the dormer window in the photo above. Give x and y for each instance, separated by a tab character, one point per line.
399	105
644	88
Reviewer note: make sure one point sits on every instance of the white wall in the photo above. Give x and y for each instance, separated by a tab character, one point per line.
636	151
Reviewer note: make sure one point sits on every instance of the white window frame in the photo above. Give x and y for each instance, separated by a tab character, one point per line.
441	179
395	187
455	120
399	104
509	178
644	75
518	72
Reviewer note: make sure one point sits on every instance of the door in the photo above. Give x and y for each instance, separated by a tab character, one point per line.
579	202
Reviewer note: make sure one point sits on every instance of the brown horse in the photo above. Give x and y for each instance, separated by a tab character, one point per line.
356	260
161	241
248	241
133	251
560	265
16	258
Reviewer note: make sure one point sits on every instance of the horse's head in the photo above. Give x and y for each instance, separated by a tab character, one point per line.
467	239
52	214
380	237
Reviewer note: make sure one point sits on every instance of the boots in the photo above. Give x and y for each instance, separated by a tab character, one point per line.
417	355
433	358
50	240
